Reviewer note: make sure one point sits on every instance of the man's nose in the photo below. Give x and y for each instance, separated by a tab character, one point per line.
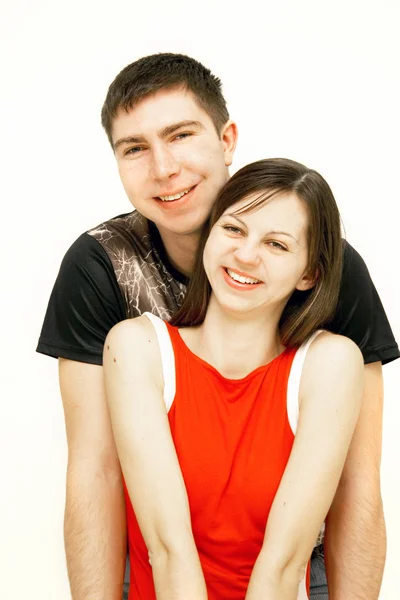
164	164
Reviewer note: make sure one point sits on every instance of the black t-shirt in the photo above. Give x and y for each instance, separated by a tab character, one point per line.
119	270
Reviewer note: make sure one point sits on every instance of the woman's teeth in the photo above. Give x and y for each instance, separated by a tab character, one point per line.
241	278
175	196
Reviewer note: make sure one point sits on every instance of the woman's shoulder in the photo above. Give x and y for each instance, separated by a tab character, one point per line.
133	342
132	331
331	356
333	346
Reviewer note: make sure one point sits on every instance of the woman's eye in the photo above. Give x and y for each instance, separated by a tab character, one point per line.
231	229
277	245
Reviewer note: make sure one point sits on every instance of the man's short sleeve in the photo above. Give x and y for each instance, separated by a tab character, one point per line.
84	305
360	314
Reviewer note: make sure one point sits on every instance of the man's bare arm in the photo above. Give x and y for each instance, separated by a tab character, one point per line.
355	543
94	526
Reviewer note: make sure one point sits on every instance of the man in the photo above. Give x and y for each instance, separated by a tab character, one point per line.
168	125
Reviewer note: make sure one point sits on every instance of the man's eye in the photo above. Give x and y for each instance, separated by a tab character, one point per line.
134	150
182	136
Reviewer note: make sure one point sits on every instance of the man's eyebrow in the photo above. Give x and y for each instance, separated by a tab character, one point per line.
165	132
131	139
175	126
273	231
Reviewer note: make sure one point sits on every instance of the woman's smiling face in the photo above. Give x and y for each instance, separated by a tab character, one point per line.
256	259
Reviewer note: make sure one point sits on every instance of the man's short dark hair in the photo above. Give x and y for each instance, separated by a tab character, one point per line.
156	72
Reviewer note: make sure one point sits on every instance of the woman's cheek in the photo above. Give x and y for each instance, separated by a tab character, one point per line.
206	257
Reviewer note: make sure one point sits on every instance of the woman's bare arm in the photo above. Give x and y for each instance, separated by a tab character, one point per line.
330	395
134	387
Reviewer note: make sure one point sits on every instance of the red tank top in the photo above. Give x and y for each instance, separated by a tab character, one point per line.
233	440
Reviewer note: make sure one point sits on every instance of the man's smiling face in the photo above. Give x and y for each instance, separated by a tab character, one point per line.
171	160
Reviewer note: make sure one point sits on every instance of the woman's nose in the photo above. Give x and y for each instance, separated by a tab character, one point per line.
247	253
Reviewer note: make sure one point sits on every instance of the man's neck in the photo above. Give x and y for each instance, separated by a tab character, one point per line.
181	249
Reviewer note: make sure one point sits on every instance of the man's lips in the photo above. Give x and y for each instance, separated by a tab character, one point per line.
175	196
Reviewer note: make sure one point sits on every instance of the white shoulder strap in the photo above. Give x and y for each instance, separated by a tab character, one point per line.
294	381
302	593
167	358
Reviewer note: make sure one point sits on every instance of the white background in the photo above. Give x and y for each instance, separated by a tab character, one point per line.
314	81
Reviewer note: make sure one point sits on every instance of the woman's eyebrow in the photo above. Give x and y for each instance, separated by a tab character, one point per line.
277	232
273	231
235	217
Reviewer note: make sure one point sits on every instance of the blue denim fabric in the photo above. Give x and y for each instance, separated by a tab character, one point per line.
318	584
126	579
126	590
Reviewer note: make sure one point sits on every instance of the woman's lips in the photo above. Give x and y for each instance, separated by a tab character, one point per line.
238	285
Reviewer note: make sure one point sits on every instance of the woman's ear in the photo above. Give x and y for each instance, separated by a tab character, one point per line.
307	281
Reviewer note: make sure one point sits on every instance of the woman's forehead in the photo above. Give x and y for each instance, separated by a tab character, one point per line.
255	201
283	212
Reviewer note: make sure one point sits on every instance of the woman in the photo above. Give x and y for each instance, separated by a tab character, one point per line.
229	492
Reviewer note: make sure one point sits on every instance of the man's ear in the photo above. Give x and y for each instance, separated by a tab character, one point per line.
229	136
307	281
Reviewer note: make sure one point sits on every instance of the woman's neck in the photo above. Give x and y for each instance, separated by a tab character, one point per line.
235	345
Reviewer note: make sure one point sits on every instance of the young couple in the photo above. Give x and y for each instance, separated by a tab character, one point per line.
239	425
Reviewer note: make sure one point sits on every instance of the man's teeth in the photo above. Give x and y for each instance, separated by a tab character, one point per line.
175	196
241	278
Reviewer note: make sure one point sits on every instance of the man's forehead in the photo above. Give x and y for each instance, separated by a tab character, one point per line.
160	109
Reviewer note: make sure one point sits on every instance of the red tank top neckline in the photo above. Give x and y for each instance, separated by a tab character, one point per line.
175	332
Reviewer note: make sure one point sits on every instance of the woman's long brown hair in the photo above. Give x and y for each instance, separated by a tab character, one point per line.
305	311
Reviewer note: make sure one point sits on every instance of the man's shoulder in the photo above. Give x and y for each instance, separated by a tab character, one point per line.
110	272
135	251
126	234
129	229
360	314
128	242
353	262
